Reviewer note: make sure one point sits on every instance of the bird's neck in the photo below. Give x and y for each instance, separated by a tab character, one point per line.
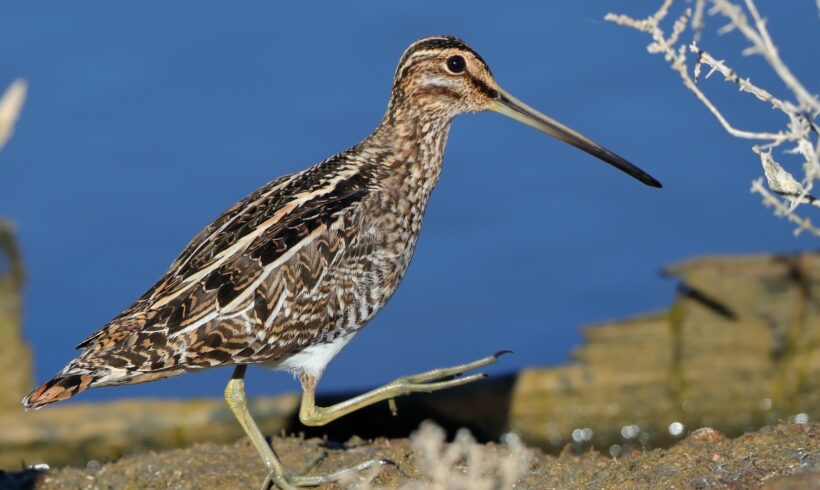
415	139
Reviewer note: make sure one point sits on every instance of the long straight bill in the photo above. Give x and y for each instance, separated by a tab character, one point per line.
509	106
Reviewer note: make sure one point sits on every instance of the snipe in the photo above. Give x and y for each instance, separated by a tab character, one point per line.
289	275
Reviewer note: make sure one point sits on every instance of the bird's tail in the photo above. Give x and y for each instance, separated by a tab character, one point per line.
70	381
91	370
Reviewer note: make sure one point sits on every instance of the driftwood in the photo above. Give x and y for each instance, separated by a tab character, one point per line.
739	349
15	359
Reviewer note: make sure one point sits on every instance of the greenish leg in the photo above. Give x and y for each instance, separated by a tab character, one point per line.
426	382
277	475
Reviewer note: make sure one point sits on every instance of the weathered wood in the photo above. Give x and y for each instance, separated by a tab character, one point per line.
15	356
740	348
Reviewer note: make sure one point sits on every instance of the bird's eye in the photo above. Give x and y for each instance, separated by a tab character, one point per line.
456	64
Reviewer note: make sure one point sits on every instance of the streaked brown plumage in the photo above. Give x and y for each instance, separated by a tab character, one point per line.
286	277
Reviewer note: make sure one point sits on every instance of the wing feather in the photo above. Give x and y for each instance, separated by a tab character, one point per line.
234	271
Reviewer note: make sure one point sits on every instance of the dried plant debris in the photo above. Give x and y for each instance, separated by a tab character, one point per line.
461	465
799	135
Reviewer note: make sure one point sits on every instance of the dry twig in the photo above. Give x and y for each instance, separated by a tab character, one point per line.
463	464
800	134
10	105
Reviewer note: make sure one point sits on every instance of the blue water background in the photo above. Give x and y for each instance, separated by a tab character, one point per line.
146	119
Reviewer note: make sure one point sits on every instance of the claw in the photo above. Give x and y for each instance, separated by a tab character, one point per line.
501	353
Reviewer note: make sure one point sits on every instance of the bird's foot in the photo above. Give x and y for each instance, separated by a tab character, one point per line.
278	479
442	378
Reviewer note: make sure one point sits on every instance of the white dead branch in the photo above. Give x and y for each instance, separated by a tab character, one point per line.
10	105
799	134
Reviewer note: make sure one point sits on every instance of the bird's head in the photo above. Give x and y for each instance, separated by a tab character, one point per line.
443	73
443	76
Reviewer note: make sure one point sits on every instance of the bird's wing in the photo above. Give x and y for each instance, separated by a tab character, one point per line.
226	266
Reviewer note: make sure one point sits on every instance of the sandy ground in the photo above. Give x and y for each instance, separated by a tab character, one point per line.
785	456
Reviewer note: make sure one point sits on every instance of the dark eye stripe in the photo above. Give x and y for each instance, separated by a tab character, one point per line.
483	87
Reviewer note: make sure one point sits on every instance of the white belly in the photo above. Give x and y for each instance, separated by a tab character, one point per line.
313	359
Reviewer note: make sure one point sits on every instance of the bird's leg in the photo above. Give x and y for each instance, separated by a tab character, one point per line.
238	403
427	382
277	475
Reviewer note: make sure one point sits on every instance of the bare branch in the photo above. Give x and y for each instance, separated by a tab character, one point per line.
782	209
801	129
10	105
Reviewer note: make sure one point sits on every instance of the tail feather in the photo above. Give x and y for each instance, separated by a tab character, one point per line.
82	374
60	387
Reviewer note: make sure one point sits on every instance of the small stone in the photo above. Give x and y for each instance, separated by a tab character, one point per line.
355	441
707	434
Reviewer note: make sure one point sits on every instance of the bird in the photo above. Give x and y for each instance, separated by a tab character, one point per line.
290	274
